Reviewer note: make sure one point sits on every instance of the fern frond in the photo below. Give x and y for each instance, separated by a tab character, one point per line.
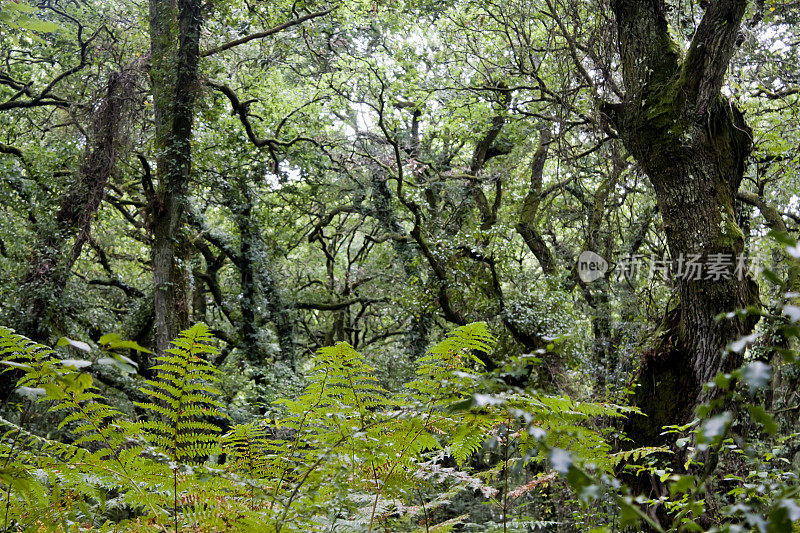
448	370
469	436
184	398
636	454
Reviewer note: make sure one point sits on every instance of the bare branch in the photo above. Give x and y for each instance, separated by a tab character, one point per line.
266	33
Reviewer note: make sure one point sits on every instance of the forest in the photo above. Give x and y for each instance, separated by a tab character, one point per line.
400	265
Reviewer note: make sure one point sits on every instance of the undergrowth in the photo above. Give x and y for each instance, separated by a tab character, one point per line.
346	455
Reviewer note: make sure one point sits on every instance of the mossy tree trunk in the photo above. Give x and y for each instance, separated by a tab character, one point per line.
259	287
175	50
692	143
61	240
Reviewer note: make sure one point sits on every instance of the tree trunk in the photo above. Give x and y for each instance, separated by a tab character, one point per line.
526	223
692	143
259	286
47	276
174	44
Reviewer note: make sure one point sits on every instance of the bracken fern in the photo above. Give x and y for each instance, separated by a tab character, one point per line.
184	399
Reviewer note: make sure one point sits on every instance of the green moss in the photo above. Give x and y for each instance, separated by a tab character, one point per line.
663	124
730	236
663	102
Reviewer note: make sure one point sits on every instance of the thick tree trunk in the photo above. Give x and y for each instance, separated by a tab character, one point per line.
692	143
60	244
175	38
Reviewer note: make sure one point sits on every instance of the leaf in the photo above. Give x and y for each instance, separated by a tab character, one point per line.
757	374
762	417
31	393
628	513
77	364
714	428
75	382
722	381
14	364
78	345
739	345
108	338
682	484
18	6
54	392
784	513
485	400
16	478
123	366
41	26
782	237
793	312
113	341
792	509
771	277
561	460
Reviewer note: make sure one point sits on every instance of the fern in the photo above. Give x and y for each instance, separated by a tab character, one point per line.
469	436
248	448
184	392
100	457
636	454
346	453
252	457
451	369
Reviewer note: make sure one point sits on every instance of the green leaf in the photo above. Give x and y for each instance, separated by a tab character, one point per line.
722	381
113	341
31	393
762	417
757	374
561	460
739	345
715	427
18	6
771	277
124	366
793	312
14	364
78	345
628	513
77	364
76	382
682	484
54	392
782	237
16	478
41	26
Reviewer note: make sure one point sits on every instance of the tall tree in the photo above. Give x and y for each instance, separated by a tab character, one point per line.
175	49
693	144
50	263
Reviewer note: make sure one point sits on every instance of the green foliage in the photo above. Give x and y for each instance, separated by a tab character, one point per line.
350	454
21	16
346	454
184	392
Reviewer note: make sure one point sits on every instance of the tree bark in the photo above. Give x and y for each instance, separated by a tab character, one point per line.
43	284
526	224
174	43
692	143
257	282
